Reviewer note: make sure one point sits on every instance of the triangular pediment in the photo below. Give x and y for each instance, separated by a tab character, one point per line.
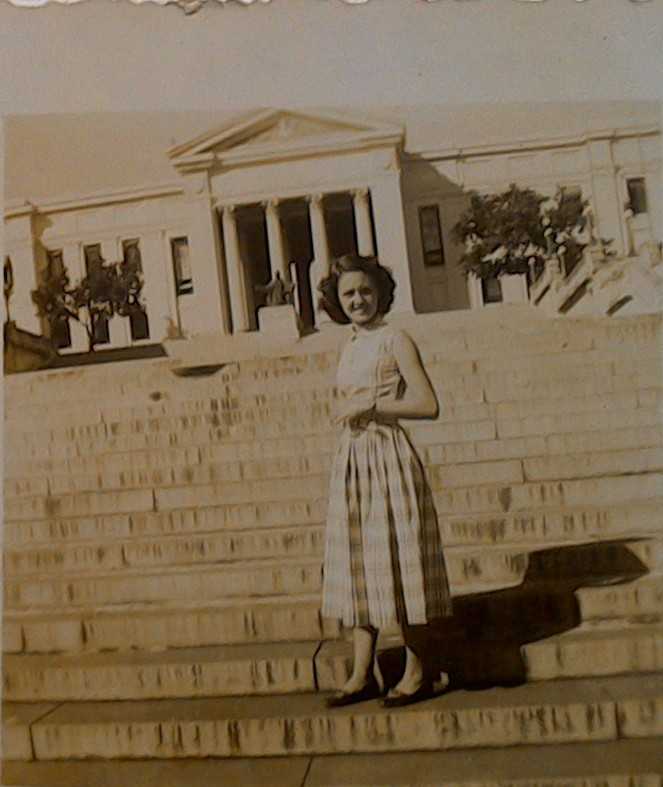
282	131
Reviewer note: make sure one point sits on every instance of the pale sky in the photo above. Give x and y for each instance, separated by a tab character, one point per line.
60	156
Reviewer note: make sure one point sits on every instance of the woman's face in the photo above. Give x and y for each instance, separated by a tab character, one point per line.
358	296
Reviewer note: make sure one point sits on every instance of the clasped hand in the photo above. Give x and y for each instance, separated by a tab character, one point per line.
351	412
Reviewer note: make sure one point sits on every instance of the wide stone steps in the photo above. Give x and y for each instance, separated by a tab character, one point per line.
471	570
498	342
481	423
596	649
294	667
471	499
123	546
550	605
639	599
535	714
311	394
302	466
623	763
164	625
615	439
255	531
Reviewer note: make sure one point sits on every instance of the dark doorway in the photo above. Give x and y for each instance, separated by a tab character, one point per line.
298	242
340	224
254	253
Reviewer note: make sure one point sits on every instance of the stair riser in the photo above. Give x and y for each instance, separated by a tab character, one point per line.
184	532
444	476
172	418
307	541
195	520
191	431
635	600
478	571
362	732
241	678
618	655
462	500
622	654
166	629
172	396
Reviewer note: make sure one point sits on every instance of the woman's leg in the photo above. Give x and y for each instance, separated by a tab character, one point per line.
364	639
414	674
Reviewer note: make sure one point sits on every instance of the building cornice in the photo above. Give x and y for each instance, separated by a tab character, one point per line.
15	208
521	146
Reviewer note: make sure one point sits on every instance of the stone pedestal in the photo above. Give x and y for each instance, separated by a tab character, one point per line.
278	323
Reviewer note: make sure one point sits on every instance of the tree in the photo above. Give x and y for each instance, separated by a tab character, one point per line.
107	289
517	230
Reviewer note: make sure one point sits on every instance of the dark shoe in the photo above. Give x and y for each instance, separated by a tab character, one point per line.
396	699
370	691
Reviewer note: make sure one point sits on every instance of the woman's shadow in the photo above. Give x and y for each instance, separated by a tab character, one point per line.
481	645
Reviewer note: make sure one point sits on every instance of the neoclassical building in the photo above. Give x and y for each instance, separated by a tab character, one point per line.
284	191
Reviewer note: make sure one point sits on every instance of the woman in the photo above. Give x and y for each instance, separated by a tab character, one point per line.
383	558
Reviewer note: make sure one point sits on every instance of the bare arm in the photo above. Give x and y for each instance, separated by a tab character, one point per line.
419	399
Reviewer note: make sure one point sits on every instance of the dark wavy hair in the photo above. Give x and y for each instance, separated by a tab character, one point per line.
351	263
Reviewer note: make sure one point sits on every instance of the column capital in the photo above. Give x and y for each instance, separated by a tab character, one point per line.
271	204
227	209
316	199
361	193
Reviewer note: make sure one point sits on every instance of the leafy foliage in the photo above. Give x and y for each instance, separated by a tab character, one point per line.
107	289
517	230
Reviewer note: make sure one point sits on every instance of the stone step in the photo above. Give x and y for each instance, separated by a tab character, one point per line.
615	764
204	431
213	535
622	763
535	714
231	670
241	580
248	402
196	520
294	667
639	599
308	357
474	499
476	570
166	625
300	465
556	601
592	650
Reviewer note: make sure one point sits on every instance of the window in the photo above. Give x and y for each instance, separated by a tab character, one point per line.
491	290
58	327
181	266
93	258
93	262
431	235
138	322
637	195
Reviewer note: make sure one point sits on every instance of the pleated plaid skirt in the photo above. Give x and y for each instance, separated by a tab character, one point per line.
384	562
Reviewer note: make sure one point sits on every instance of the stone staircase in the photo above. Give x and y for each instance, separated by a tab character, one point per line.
162	567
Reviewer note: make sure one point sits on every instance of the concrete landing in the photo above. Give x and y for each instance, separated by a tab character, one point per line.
615	764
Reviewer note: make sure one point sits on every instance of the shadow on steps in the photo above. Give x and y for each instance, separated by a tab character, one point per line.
480	646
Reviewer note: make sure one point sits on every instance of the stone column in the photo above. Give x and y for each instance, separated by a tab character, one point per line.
321	256
209	304
20	247
606	199
275	239
235	270
363	222
390	237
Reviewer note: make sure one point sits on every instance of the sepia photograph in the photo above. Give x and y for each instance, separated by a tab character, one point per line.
333	446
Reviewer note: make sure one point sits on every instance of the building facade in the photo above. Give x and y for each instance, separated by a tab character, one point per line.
286	192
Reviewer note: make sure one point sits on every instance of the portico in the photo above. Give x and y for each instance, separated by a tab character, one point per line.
334	188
